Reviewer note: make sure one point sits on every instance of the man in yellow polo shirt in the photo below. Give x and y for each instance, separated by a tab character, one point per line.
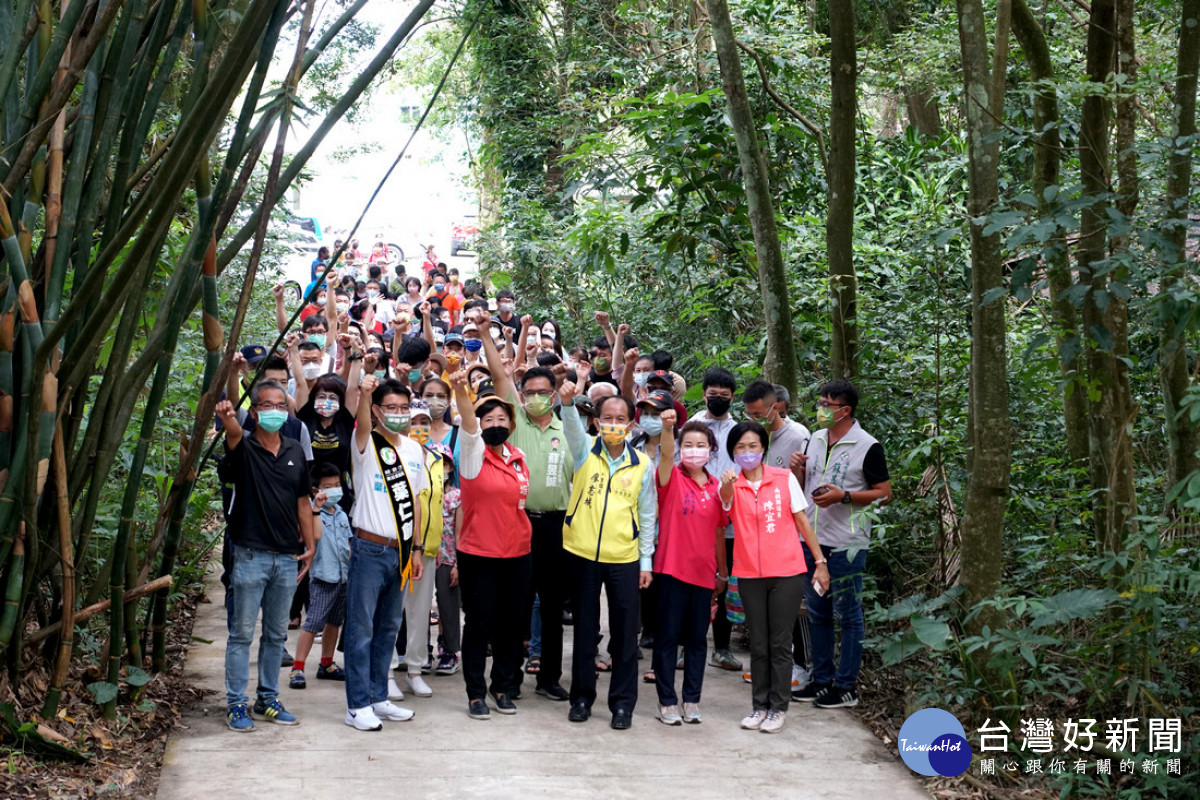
539	435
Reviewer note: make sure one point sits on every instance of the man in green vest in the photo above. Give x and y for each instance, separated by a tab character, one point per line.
611	526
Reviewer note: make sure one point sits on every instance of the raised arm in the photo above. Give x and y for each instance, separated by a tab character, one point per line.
573	430
233	384
626	382
233	431
666	446
618	347
495	362
458	381
605	324
280	312
362	431
426	312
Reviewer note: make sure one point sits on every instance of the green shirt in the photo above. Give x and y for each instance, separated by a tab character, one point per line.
548	456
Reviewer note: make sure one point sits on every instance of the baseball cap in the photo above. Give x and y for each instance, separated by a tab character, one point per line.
454	337
418	408
660	400
662	375
254	353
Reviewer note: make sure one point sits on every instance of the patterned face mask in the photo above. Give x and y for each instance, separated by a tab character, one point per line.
613	434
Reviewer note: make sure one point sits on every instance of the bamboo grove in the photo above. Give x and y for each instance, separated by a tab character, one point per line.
88	203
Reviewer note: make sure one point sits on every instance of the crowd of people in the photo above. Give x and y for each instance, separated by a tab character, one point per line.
420	455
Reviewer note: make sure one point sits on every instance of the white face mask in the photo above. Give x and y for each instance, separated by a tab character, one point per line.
312	370
549	333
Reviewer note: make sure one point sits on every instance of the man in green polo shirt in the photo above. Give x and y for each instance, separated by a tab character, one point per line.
539	435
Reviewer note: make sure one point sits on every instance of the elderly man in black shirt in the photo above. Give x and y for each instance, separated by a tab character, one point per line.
275	532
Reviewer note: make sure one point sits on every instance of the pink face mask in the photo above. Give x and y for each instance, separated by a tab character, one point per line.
694	457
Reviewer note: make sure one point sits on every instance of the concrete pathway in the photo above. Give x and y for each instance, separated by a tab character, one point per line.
536	753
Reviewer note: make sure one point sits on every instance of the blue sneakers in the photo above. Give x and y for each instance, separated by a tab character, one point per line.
238	719
273	711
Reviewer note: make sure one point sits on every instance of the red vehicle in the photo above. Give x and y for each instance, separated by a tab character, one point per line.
463	235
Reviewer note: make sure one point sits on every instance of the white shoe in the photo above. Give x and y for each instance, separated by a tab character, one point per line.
363	719
392	712
417	685
800	677
755	720
691	713
774	722
669	715
394	690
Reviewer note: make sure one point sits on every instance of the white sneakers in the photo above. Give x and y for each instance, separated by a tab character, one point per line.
363	719
691	713
391	712
417	685
774	722
394	690
755	720
669	715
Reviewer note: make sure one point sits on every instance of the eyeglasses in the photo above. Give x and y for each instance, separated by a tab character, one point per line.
827	404
272	407
395	409
538	394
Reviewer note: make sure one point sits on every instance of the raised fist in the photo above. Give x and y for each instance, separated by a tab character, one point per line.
567	392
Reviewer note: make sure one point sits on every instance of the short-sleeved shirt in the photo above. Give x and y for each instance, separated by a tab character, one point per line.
331	445
549	459
373	509
688	520
266	489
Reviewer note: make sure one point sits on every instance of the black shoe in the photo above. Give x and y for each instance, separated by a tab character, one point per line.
621	720
810	693
579	712
515	694
503	703
287	660
647	641
836	697
477	709
554	691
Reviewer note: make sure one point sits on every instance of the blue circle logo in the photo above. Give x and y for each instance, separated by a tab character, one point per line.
933	742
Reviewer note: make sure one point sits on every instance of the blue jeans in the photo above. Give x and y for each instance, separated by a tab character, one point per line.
267	581
843	602
374	603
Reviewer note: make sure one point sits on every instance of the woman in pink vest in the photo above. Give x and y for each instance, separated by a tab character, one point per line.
494	566
766	505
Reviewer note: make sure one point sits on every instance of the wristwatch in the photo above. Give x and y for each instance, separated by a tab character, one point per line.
354	357
846	497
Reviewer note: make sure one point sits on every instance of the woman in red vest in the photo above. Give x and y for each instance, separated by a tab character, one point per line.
766	505
494	566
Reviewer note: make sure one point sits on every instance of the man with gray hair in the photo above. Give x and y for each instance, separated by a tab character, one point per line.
275	527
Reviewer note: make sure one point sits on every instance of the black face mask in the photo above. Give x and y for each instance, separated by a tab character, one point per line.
495	435
717	406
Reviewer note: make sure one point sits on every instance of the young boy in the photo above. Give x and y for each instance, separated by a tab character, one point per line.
327	587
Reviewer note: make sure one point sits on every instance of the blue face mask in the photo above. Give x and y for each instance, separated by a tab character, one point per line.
473	345
318	339
651	425
332	496
438	287
271	421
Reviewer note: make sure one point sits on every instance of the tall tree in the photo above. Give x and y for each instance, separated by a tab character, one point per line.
989	434
1110	451
1183	438
779	366
839	222
1046	166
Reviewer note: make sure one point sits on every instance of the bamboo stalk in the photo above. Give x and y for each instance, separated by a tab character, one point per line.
67	558
84	614
12	594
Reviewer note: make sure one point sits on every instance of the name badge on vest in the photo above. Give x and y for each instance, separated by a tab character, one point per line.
399	490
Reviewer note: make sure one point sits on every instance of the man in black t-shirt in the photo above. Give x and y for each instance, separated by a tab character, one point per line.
274	530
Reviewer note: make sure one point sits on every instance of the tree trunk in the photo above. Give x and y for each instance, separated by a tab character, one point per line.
1110	454
839	222
1183	438
923	111
989	434
1058	269
779	366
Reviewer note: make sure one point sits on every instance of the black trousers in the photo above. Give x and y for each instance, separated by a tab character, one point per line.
550	584
620	582
494	591
771	605
683	610
722	628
